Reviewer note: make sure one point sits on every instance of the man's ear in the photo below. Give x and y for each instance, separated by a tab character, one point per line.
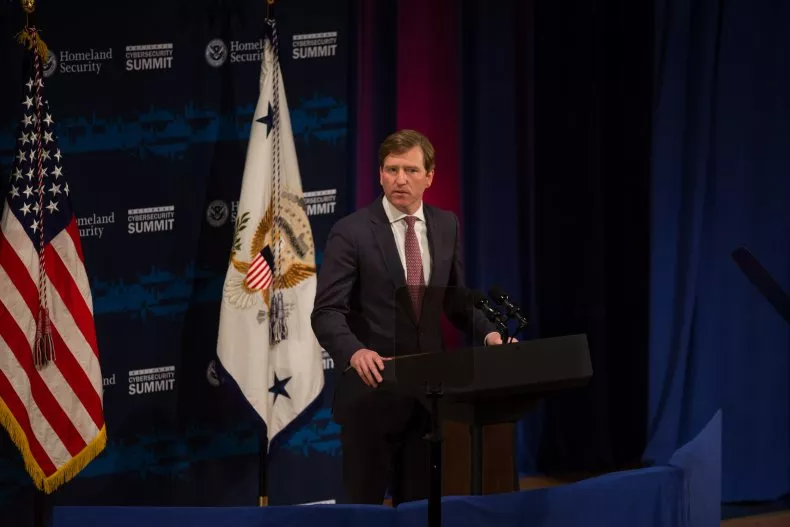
429	175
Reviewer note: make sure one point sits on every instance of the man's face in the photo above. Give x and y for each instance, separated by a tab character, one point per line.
404	179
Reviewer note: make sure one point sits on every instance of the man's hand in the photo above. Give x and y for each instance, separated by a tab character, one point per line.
368	363
494	338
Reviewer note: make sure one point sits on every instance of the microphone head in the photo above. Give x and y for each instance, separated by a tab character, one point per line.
497	294
478	298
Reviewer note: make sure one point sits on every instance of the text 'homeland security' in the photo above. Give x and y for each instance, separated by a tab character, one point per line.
246	51
93	226
83	61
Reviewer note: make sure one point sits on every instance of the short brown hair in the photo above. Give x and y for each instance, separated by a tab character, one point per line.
403	140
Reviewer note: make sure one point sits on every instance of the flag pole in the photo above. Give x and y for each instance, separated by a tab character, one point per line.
32	41
30	38
263	456
263	443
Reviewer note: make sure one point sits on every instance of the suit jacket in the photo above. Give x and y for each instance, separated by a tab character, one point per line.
362	301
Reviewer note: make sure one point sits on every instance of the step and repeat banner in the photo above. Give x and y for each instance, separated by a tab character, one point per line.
152	103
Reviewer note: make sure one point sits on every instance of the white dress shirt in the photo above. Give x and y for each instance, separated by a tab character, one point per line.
399	227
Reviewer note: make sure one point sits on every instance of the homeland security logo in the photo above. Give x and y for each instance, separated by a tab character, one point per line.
51	65
93	226
90	61
220	211
211	374
216	53
217	213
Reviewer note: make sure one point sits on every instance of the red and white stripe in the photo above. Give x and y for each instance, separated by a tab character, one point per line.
259	275
59	409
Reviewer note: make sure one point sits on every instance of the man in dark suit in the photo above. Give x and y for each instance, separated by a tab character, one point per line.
372	304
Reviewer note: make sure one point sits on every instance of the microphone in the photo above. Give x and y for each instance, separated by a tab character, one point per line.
481	302
511	310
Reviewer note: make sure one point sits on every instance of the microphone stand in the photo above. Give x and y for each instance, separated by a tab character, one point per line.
522	325
511	311
495	317
503	330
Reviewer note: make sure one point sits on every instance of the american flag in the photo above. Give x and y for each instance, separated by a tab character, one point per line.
261	272
50	377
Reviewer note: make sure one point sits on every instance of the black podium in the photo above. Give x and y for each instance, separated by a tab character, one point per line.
483	386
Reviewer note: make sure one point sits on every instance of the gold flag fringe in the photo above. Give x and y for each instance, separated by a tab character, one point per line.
65	473
24	38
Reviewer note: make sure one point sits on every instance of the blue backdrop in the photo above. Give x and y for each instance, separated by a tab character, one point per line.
720	180
152	102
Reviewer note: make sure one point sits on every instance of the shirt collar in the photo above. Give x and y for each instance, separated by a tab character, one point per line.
394	214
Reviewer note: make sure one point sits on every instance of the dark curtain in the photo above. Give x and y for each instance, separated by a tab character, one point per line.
721	179
374	95
556	120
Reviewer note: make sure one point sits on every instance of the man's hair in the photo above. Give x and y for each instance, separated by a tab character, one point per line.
403	140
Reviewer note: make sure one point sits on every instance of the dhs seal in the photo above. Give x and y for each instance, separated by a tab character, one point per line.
211	374
217	213
51	64
216	53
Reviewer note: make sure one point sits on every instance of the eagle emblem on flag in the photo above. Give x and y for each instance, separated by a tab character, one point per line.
292	240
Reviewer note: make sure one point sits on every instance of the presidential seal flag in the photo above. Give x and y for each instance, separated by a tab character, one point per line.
50	377
266	342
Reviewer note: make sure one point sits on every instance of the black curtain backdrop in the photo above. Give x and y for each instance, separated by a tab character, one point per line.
556	114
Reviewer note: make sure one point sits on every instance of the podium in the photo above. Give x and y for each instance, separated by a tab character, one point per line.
492	386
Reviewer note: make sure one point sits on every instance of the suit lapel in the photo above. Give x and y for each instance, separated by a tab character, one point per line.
389	253
430	223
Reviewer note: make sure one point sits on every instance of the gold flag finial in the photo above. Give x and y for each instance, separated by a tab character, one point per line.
29	37
28	5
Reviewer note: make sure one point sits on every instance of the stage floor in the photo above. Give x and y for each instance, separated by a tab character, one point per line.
739	516
775	519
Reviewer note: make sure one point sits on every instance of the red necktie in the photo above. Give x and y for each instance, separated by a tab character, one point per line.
415	280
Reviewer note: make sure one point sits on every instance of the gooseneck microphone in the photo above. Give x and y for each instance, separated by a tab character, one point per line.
512	311
481	303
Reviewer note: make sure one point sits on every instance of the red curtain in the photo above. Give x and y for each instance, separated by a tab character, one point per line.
428	95
429	82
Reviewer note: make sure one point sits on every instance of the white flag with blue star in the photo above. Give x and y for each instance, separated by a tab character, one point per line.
266	342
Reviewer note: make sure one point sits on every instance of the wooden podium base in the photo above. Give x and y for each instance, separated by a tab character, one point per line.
499	472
